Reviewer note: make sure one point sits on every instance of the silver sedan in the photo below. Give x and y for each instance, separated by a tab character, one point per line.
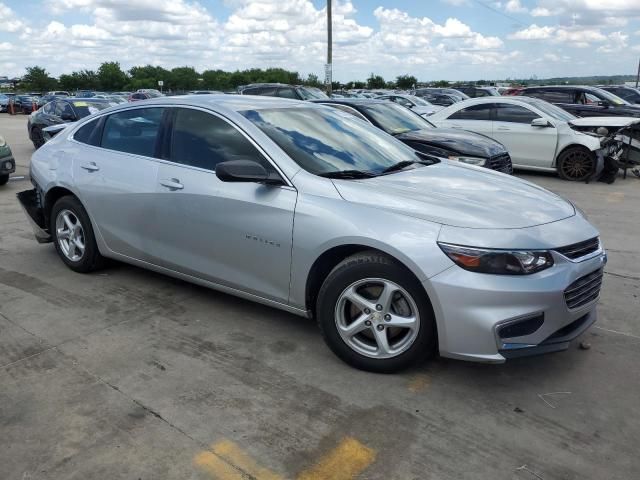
305	208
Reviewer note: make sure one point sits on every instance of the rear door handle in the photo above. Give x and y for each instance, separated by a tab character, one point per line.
172	184
503	129
90	167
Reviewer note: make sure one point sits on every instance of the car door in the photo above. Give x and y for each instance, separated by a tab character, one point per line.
527	145
475	118
234	234
115	170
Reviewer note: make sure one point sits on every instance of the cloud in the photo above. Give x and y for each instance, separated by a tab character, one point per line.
572	37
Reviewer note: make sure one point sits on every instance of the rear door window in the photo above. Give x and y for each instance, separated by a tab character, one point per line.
89	133
287	93
506	112
133	131
474	112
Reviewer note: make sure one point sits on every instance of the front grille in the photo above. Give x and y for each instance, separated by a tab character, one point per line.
584	290
501	163
580	249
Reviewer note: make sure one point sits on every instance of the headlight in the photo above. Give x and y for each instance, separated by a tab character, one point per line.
469	160
499	262
3	142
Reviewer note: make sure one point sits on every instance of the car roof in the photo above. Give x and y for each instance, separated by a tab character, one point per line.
562	87
80	99
351	100
235	103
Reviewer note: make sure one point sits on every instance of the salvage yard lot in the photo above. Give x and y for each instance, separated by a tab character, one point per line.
130	374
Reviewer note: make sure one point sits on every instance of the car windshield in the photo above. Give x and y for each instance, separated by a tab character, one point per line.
418	100
614	99
84	108
553	111
395	119
325	141
311	93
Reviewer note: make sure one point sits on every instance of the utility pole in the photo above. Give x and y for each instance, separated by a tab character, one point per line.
638	75
328	66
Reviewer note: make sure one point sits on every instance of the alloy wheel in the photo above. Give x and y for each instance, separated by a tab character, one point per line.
577	165
70	235
377	318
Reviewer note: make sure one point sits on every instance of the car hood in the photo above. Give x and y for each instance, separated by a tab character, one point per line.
602	121
459	141
459	195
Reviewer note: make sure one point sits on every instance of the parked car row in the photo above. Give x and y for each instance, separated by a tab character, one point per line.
317	210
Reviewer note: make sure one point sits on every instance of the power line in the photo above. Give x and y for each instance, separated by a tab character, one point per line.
500	12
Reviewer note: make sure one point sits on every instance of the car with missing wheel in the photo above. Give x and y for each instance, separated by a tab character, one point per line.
538	135
310	210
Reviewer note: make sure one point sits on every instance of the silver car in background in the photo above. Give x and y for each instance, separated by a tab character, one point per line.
305	208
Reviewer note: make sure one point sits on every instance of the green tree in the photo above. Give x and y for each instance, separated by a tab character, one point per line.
183	78
38	80
406	81
359	85
313	80
147	77
441	84
111	77
216	80
375	81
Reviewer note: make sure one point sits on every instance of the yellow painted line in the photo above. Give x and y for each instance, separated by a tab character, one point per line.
236	456
344	462
216	467
418	383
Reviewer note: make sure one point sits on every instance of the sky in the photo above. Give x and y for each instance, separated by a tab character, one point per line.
430	39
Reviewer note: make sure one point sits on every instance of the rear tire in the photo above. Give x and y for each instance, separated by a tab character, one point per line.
374	314
4	179
73	236
576	164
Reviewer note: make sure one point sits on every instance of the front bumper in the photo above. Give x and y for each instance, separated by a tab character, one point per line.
472	310
31	203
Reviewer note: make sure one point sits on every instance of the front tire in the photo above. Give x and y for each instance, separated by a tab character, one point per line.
37	138
73	236
4	179
576	164
374	315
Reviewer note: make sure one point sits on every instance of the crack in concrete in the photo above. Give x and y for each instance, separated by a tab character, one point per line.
620	275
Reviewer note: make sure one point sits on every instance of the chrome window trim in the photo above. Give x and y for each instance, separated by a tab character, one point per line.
161	160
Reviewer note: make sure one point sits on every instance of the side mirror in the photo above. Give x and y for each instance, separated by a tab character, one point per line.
245	171
603	103
540	122
67	117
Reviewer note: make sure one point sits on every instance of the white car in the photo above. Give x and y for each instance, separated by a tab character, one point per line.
417	104
537	134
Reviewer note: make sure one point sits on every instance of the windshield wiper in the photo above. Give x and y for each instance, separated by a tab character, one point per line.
347	174
401	165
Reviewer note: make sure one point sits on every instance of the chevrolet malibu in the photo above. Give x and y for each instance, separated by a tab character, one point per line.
305	208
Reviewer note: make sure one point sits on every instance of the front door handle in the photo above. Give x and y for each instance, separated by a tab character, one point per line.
503	129
90	167
172	184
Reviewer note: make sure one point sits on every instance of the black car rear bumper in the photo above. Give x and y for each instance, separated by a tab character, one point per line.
30	201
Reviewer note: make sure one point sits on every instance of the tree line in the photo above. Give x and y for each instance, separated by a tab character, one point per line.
112	78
